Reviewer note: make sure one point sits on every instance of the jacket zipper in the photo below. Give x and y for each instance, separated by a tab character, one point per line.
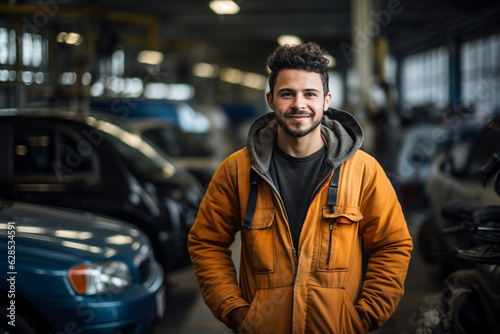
329	245
296	260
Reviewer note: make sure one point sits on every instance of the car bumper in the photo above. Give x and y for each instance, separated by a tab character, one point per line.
133	310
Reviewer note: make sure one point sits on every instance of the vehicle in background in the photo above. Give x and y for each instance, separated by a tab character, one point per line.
80	160
190	150
454	175
177	113
420	145
66	271
181	131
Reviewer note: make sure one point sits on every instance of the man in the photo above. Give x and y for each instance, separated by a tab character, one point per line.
306	199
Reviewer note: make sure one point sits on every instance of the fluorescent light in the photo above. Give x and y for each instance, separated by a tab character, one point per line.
231	75
332	62
71	38
205	70
254	80
289	39
61	37
160	90
150	57
86	78
224	7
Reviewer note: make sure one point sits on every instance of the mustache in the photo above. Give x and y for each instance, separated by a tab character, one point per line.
298	113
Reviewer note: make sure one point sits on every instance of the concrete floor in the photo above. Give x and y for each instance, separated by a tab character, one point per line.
186	312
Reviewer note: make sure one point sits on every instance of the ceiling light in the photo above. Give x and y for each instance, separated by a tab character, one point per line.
231	75
205	70
71	38
150	57
224	7
61	37
289	39
254	80
332	61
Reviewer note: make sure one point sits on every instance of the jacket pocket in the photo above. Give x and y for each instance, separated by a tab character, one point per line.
261	241
336	236
330	311
269	312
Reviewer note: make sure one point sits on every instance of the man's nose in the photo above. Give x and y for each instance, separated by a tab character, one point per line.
298	102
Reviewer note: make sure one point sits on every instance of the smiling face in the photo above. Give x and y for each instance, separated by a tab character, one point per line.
298	101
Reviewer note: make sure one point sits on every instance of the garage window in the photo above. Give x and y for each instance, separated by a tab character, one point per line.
425	78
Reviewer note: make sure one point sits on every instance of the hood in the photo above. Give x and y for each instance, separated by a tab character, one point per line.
340	131
69	236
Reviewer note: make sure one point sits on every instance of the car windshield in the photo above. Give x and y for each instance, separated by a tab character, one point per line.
136	150
177	143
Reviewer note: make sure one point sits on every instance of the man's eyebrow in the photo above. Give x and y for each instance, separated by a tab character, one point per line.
293	90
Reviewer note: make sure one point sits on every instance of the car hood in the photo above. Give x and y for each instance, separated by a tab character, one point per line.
70	235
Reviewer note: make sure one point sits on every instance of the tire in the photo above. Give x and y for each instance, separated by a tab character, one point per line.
23	324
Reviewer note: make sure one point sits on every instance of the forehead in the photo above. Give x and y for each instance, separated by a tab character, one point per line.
298	79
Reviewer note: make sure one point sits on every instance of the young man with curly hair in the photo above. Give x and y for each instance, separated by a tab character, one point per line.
306	200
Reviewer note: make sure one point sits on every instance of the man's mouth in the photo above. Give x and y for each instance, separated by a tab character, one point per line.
298	115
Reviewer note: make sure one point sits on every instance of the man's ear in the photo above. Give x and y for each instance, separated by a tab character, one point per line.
269	98
328	98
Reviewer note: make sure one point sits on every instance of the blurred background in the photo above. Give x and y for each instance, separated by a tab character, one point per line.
188	77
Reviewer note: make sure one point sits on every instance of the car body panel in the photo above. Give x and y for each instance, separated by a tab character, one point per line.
49	240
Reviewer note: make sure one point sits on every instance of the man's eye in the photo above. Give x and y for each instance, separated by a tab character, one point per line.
310	94
286	94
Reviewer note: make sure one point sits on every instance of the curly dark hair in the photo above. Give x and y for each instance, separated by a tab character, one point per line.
308	56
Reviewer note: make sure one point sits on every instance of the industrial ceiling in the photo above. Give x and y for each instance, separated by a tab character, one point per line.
189	31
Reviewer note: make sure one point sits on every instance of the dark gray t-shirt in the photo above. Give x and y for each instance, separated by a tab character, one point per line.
296	179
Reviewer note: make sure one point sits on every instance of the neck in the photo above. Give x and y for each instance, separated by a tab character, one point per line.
300	147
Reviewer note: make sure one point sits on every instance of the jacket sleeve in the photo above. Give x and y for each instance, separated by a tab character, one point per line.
385	235
210	237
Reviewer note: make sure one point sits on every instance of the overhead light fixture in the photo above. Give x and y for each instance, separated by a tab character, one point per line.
61	36
150	57
224	7
332	61
231	75
289	39
254	80
205	70
71	38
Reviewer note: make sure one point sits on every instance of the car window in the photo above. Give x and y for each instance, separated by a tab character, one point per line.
177	143
33	151
485	146
38	150
74	154
136	151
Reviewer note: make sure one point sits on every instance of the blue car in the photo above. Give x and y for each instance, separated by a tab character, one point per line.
67	271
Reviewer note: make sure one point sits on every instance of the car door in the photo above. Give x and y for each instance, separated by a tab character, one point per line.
47	162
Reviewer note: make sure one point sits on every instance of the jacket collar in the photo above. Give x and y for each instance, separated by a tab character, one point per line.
340	130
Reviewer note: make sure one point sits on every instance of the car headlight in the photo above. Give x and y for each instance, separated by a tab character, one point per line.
99	277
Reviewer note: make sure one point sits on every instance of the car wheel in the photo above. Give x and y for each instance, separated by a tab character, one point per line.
23	325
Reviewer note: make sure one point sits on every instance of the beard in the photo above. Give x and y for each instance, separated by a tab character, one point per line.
297	133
